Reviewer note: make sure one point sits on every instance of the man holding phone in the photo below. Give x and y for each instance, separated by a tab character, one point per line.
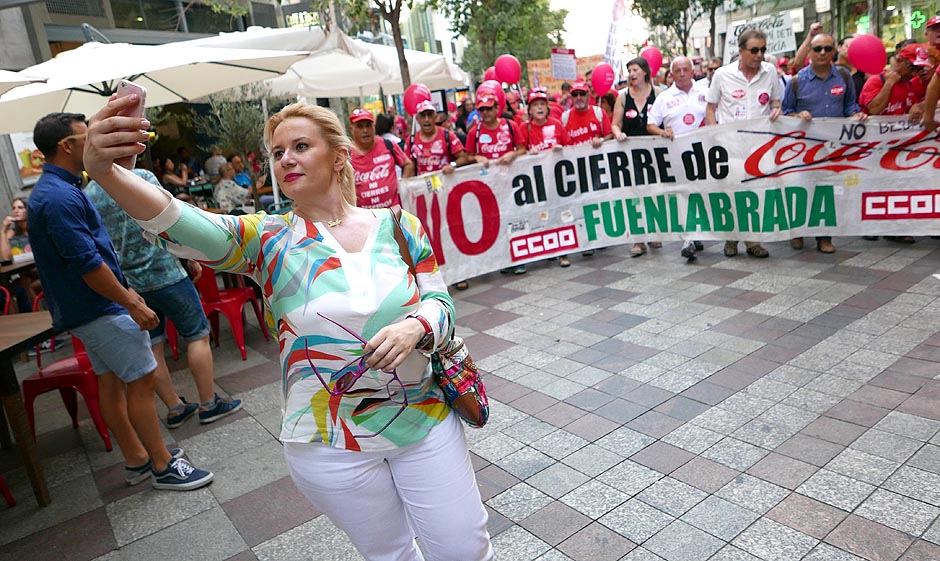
86	293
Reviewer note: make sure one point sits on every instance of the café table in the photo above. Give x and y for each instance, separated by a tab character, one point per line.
19	332
15	267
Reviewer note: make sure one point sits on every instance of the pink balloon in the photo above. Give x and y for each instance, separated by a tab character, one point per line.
654	57
490	74
867	53
415	94
508	69
492	87
602	78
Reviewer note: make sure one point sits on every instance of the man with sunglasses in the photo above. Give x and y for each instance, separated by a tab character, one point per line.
820	90
87	294
583	122
746	90
713	65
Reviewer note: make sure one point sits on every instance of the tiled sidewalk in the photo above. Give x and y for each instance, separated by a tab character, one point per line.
643	409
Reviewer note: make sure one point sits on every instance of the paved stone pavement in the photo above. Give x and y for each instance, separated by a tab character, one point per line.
643	409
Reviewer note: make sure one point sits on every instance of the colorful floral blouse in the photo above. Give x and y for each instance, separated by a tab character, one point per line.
303	272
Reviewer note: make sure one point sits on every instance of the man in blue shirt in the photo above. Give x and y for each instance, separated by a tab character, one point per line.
821	90
86	293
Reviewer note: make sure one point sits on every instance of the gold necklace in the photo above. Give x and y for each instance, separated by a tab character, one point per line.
338	221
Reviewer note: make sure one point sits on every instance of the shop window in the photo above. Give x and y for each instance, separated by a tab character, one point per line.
145	14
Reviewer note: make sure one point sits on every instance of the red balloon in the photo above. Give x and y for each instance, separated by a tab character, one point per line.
415	94
867	53
654	57
508	69
490	74
602	78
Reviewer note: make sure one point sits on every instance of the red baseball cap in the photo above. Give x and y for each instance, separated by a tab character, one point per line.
915	54
579	86
361	115
486	100
933	21
451	106
538	93
425	105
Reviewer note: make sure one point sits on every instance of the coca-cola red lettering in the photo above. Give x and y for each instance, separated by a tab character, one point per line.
912	154
797	154
377	173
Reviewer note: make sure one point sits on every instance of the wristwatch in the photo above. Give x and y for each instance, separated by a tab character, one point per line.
428	338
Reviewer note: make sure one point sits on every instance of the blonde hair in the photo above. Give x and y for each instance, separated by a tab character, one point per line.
332	131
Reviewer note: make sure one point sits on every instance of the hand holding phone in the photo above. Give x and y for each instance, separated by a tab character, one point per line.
126	88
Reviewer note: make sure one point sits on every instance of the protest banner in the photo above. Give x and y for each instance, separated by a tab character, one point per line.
564	64
748	180
779	30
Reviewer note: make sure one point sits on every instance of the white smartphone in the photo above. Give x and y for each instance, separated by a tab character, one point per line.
125	88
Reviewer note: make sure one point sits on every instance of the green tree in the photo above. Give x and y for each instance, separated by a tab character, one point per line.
527	29
677	16
235	119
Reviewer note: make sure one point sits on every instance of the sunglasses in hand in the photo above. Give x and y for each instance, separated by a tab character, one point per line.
344	378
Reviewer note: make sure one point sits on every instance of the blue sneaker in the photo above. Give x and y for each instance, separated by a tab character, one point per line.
181	475
139	474
221	408
189	409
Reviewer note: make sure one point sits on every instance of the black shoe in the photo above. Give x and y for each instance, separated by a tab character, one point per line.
688	252
699	246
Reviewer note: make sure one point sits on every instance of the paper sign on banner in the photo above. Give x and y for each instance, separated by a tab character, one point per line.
779	30
564	64
748	180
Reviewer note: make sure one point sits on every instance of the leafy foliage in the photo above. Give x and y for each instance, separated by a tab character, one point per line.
677	16
235	119
527	29
361	12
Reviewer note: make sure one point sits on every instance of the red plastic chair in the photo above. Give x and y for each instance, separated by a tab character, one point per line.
69	375
5	491
230	302
6	300
172	338
37	305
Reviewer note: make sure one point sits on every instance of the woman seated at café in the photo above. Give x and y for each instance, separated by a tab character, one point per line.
176	182
14	240
230	196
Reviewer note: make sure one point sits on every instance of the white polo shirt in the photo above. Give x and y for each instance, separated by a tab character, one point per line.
736	99
681	111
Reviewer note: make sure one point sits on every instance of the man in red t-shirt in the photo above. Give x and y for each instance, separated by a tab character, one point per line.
543	132
374	163
433	148
898	91
495	138
584	122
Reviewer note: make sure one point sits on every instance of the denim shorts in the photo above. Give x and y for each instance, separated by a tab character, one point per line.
116	344
181	304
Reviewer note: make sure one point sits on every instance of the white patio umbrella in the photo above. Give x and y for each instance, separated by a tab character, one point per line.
10	80
338	65
81	80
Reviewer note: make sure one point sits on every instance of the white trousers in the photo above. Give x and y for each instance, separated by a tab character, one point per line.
382	500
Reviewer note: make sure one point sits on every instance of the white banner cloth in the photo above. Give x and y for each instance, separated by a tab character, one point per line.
750	180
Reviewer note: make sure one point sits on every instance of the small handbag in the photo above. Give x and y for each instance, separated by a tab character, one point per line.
454	370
